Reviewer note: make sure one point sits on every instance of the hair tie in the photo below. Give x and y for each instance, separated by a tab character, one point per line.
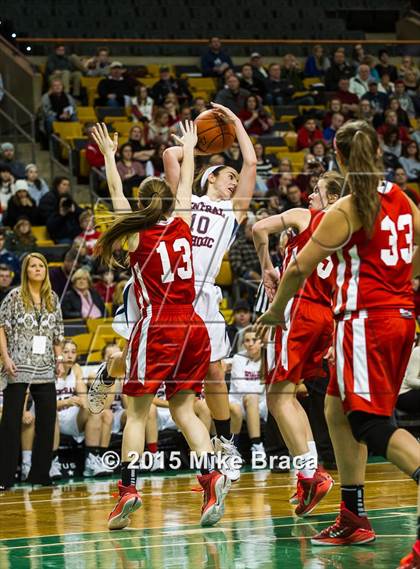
207	173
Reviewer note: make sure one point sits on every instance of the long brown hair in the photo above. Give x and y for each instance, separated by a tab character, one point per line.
357	143
46	290
198	190
334	183
155	201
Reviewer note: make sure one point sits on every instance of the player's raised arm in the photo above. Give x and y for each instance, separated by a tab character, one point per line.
248	174
108	147
172	158
184	190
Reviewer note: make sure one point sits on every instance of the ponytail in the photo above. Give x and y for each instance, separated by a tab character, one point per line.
358	145
156	200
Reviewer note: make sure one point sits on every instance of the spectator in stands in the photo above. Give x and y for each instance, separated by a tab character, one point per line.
410	161
99	65
21	204
366	112
6	279
319	150
333	106
349	101
370	61
159	131
199	106
405	100
385	67
233	156
265	165
244	262
168	84
377	99
285	165
138	138
94	156
408	65
292	73
358	54
316	64
37	186
61	66
251	82
171	106
32	314
142	104
57	105
337	120
258	68
105	286
7	186
359	83
308	134
49	203
157	159
386	86
294	198
131	171
60	276
232	95
215	61
311	167
411	83
7	258
21	240
241	320
400	178
402	116
89	234
8	158
254	118
81	300
279	91
391	120
339	69
115	90
63	225
277	187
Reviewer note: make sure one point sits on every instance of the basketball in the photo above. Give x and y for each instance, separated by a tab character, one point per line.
214	133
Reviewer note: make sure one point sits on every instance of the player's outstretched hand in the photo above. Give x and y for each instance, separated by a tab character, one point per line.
189	134
224	112
107	145
265	321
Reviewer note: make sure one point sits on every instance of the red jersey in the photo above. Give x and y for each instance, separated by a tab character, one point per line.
162	265
318	286
376	272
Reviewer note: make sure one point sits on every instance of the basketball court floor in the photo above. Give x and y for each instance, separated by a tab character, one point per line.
65	526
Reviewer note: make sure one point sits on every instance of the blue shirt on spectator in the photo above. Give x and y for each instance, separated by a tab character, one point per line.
212	59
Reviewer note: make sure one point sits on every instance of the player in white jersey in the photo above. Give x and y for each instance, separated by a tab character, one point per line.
222	205
75	419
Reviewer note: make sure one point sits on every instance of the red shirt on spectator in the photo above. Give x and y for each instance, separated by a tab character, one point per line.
305	138
257	127
105	290
94	156
402	132
90	237
346	97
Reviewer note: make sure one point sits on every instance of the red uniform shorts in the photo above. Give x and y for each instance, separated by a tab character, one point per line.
299	351
371	356
170	345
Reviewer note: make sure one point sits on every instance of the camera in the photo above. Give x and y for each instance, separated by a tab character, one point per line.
67	202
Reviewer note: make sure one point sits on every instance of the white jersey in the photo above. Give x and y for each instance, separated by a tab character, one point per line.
245	375
66	386
213	228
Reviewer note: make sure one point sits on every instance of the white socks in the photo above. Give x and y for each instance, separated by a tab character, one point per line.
27	456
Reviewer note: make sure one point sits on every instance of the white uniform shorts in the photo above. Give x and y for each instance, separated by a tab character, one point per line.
116	420
239	399
206	305
67	420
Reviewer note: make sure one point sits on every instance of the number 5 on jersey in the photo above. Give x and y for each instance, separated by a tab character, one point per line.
184	272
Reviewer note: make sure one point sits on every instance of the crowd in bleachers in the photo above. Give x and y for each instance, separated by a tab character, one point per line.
290	108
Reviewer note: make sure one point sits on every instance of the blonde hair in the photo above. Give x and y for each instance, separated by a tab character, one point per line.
80	274
46	291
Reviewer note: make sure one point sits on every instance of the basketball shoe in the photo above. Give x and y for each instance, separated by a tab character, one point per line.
128	502
412	560
99	390
215	486
232	460
310	491
348	529
55	469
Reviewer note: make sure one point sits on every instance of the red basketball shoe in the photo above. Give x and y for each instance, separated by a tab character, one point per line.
215	486
348	529
310	491
129	501
412	560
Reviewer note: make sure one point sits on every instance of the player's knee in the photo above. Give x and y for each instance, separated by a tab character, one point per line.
374	430
250	399
107	417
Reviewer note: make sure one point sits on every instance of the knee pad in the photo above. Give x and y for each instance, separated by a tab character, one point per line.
374	430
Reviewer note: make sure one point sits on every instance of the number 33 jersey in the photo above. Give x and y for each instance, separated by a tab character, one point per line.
162	265
375	272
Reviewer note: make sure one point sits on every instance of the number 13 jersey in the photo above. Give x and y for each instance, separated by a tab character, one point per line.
162	265
375	272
